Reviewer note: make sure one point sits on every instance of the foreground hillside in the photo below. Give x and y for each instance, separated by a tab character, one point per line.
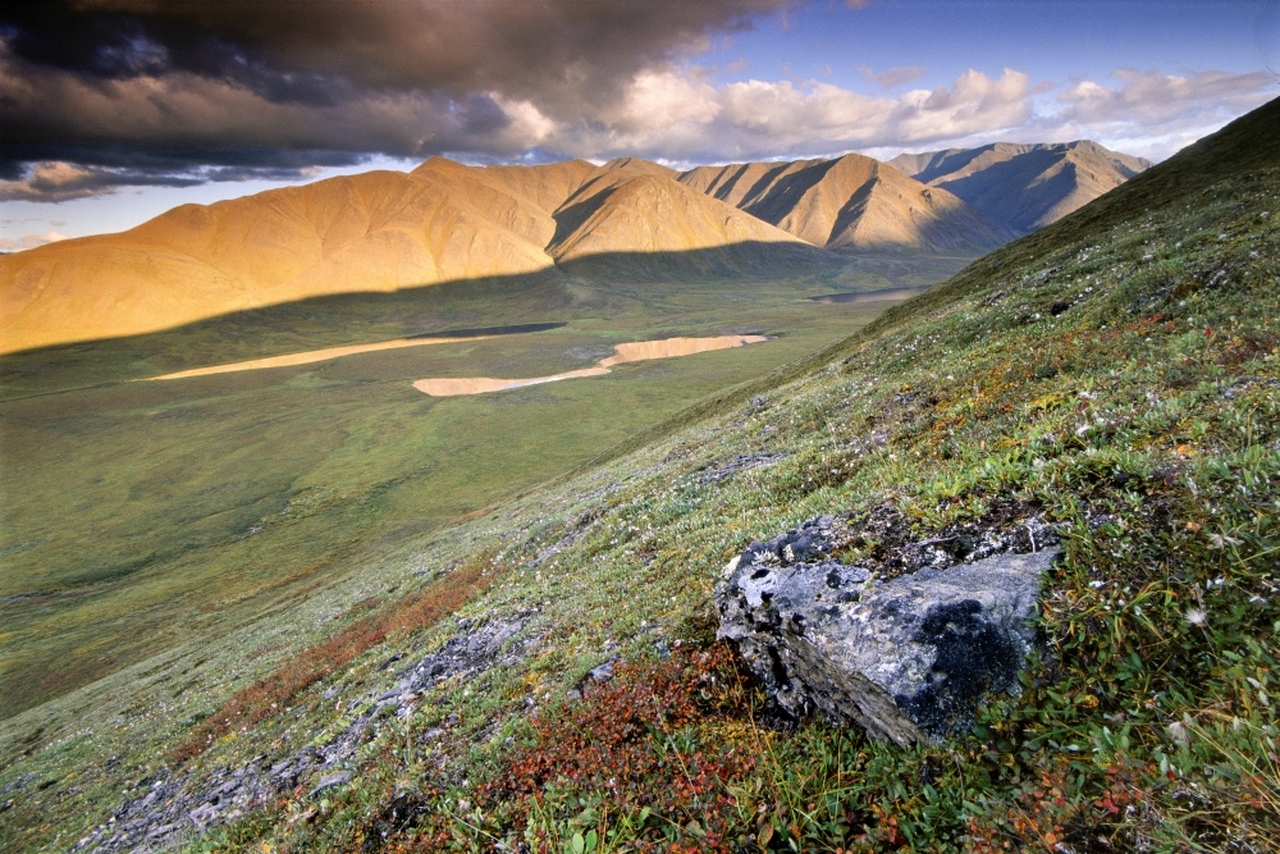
545	677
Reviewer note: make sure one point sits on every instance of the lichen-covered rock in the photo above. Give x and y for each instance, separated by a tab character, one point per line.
905	658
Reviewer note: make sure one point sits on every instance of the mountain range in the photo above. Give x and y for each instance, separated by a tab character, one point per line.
1026	187
444	221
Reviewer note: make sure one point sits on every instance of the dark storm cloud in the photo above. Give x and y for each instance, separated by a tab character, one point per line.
250	161
60	180
573	51
149	84
118	41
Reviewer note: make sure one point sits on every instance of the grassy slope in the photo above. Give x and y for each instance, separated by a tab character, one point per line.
153	512
1117	374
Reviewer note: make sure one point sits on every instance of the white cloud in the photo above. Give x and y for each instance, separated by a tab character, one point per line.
676	116
1151	114
1151	98
29	241
893	76
663	99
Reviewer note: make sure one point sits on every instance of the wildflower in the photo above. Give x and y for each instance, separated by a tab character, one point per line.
1195	616
1221	541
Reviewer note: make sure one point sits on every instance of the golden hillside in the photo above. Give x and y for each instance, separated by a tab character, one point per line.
646	212
373	232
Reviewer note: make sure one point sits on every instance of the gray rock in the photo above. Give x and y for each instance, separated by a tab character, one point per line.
179	804
905	659
328	781
737	464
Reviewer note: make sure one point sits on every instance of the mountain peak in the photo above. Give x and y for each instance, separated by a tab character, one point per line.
436	163
651	213
636	164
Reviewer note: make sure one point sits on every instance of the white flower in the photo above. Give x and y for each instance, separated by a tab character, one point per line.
1195	616
1179	734
1221	541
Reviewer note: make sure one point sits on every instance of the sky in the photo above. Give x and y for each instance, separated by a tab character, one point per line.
113	111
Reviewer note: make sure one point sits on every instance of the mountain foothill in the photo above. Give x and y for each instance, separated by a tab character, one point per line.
383	231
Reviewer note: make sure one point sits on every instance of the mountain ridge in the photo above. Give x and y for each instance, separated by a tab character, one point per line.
1026	186
851	202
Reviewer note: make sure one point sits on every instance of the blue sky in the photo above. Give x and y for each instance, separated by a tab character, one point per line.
1055	40
112	117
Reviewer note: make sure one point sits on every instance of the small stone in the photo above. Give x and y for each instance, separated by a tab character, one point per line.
162	830
328	781
390	661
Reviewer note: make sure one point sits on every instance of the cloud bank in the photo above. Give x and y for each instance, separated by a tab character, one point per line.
30	241
100	94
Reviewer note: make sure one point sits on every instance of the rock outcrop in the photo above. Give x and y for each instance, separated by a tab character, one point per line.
906	658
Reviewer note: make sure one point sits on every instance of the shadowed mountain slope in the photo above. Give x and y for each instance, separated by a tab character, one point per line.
585	200
651	213
1024	186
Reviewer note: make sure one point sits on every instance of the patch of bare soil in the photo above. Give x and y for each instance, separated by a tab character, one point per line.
635	351
306	358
